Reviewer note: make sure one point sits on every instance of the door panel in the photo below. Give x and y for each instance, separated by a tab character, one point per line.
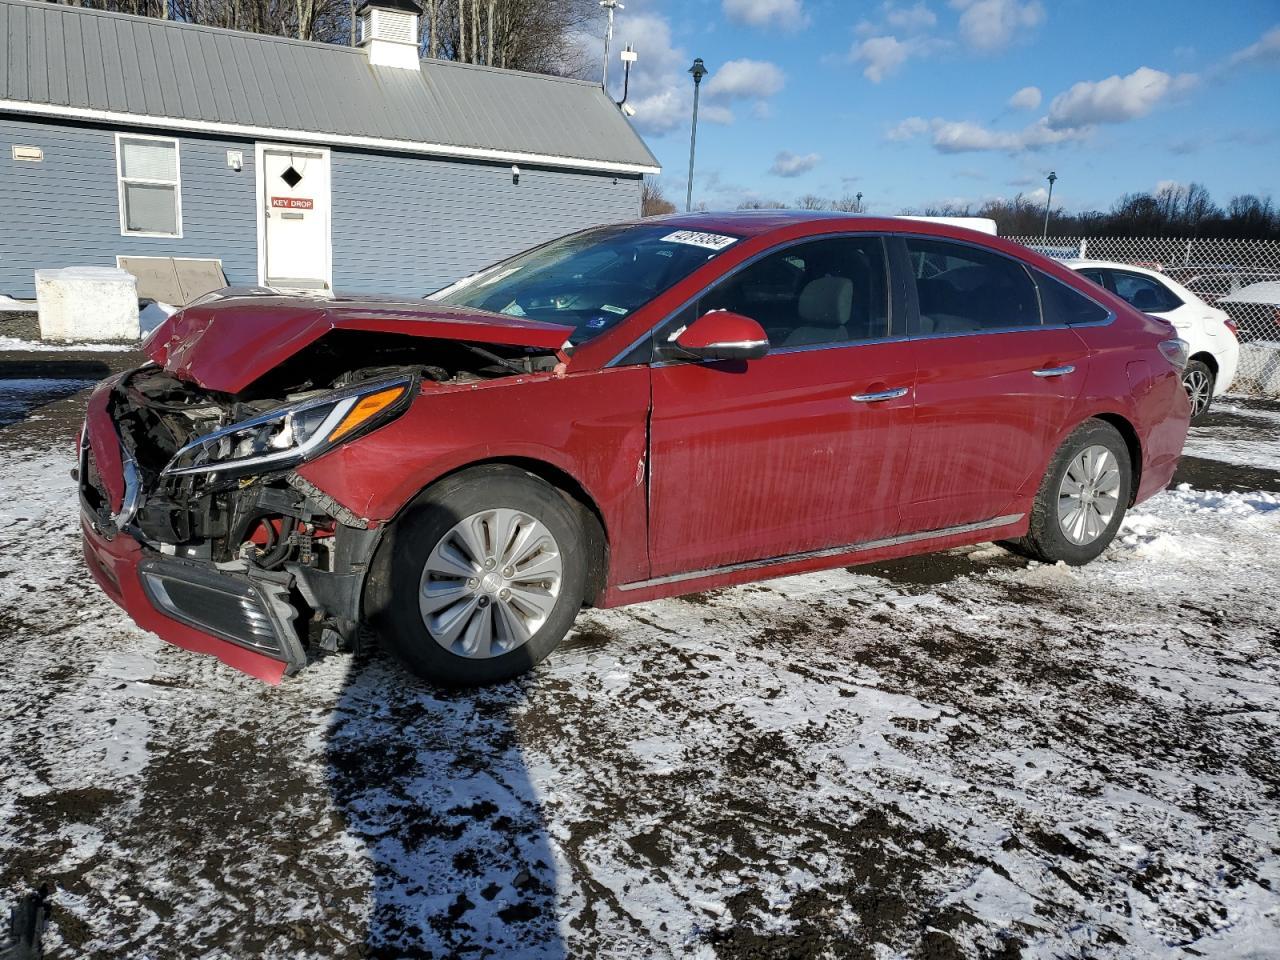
774	456
985	421
994	384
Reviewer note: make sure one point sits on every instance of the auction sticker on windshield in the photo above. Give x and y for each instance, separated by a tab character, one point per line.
712	241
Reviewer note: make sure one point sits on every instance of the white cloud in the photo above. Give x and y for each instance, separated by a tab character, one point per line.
965	136
788	164
909	19
1266	50
881	56
787	14
907	129
1115	99
990	25
662	91
1028	98
745	80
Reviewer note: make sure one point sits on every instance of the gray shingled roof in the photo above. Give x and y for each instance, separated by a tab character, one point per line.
68	61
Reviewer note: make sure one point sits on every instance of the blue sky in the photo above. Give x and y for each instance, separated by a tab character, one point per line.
917	103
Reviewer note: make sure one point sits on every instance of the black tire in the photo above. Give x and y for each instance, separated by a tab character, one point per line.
1199	374
1046	540
392	588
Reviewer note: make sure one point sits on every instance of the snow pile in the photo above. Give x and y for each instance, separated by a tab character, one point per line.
1022	759
19	345
10	305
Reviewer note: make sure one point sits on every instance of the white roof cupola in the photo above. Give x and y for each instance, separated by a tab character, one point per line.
389	32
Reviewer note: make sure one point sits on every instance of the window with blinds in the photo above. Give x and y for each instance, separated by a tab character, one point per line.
150	186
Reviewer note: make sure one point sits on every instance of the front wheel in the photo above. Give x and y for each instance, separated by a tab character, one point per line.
1082	498
480	577
1198	380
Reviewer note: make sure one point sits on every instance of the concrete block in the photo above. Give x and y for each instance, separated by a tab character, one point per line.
87	303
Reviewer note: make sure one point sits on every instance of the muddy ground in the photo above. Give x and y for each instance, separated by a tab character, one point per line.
963	755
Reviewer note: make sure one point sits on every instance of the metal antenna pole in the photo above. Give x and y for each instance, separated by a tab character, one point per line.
609	6
1048	205
699	70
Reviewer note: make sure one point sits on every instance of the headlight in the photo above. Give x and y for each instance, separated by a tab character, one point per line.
290	435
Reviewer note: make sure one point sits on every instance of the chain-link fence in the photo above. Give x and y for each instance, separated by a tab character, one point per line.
1241	277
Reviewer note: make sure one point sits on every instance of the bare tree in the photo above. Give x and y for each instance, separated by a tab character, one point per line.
762	205
847	204
653	203
811	201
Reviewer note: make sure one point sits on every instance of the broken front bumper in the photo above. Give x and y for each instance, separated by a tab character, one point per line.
245	622
252	619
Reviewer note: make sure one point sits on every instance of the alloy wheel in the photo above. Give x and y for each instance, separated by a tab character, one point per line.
490	583
1198	385
1089	494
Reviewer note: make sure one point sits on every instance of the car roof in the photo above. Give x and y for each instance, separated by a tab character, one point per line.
758	223
1265	291
1076	264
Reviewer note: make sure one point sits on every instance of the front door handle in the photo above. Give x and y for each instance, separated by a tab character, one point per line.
893	394
1054	371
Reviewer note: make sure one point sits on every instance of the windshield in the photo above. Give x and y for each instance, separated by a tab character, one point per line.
590	281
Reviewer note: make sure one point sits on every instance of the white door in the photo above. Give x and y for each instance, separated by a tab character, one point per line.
294	193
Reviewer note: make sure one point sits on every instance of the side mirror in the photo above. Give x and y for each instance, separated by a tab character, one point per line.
722	335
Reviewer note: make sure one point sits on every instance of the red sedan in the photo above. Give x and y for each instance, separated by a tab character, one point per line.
626	413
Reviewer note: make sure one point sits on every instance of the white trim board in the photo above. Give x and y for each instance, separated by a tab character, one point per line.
327	139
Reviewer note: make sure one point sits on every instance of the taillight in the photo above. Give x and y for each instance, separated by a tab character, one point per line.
1231	325
1176	351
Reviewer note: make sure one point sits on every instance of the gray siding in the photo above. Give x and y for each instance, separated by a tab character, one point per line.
64	211
401	224
409	225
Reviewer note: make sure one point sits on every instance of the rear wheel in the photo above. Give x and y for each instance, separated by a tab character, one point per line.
480	578
1198	380
1082	498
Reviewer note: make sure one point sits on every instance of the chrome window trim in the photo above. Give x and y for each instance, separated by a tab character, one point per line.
1033	272
860	547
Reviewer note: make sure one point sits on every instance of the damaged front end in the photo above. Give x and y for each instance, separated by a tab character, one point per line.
195	490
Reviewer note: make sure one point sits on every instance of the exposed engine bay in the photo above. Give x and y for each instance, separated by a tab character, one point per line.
210	477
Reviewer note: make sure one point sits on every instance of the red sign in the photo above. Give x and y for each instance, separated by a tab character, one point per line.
293	203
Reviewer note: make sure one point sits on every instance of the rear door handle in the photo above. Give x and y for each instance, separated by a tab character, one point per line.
1054	371
893	394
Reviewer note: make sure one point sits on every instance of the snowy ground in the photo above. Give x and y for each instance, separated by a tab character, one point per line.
956	756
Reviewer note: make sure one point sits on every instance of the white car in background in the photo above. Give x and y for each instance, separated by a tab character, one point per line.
1258	306
1214	343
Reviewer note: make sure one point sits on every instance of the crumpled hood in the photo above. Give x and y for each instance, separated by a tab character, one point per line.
227	341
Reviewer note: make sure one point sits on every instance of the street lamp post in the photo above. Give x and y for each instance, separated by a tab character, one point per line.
699	70
1048	205
859	199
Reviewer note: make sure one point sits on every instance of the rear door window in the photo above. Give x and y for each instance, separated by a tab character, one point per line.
965	289
1063	305
1144	293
